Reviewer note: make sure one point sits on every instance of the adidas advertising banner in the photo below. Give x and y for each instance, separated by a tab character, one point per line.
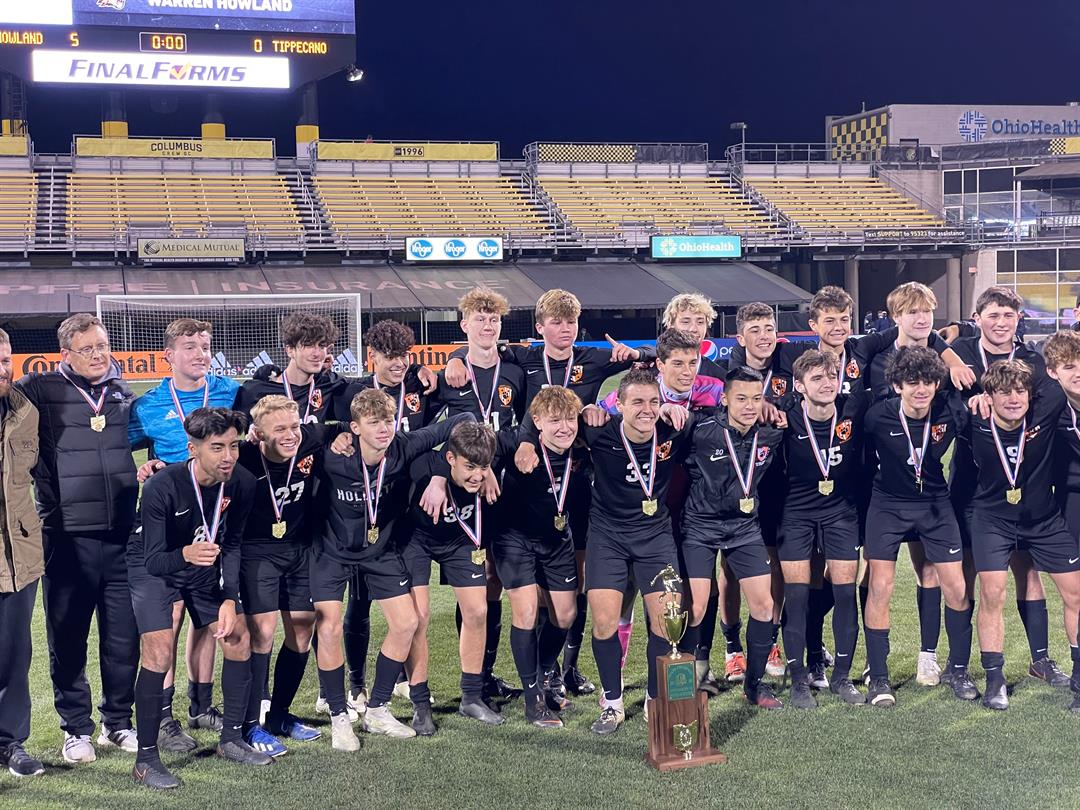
463	249
696	247
187	251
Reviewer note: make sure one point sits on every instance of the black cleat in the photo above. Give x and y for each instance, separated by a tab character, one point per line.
18	762
762	696
1075	705
576	683
963	687
241	753
422	722
173	738
154	775
817	677
478	710
801	696
1046	669
554	697
609	721
495	688
540	715
997	695
844	689
881	694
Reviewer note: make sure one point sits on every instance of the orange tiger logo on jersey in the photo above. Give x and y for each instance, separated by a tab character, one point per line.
577	373
412	402
762	454
506	395
305	464
663	451
225	503
316	399
852	370
843	430
779	386
937	432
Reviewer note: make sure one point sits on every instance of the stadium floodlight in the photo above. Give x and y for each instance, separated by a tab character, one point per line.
353	73
741	126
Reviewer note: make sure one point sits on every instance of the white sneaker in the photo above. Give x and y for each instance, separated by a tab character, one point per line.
123	738
357	703
928	673
323	707
342	736
401	690
264	707
380	721
78	748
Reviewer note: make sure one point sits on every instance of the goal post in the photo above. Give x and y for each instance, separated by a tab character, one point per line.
245	328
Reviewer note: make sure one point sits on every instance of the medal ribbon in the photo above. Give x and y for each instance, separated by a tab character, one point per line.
1013	473
475	536
484	412
310	393
823	466
1075	429
566	375
765	385
560	497
400	403
95	406
371	502
211	532
278	507
646	488
176	398
746	482
917	458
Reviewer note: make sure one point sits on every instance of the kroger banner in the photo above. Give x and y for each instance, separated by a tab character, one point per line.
463	249
696	247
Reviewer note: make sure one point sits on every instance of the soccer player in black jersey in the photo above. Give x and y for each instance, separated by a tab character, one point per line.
823	448
361	498
909	436
1014	508
188	547
997	312
729	455
629	525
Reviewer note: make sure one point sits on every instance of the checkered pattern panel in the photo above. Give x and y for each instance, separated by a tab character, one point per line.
859	138
586	152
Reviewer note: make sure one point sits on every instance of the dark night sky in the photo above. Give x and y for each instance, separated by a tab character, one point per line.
600	70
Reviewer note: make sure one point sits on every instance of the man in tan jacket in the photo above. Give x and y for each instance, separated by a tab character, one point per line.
21	566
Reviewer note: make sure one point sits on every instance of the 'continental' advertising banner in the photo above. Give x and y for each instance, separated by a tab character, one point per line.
173	148
187	251
360	150
13	146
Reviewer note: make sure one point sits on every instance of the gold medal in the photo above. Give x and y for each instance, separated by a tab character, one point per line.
648	506
825	487
278	529
97	423
479	556
1013	495
560	523
373	535
746	505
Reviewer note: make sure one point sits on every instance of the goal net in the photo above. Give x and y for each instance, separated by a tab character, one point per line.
245	329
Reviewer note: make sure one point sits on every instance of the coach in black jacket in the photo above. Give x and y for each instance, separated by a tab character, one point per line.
86	493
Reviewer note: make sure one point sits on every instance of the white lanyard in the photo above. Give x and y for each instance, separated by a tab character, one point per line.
211	531
176	399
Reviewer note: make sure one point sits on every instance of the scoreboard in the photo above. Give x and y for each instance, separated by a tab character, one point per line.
242	44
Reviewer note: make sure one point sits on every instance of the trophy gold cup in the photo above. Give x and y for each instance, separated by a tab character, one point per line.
679	714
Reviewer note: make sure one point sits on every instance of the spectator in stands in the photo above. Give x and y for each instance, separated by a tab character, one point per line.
884	322
1021	326
869	322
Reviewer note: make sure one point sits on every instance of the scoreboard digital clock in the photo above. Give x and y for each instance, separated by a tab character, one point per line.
244	44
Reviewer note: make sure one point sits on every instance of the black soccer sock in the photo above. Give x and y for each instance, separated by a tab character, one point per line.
457	619
575	636
542	618
775	633
759	642
864	597
1037	626
493	635
845	628
523	645
994	665
877	652
236	685
732	637
332	686
608	652
201	696
817	608
690	643
1074	681
288	674
707	629
657	646
472	687
357	637
167	696
386	676
958	630
420	693
549	643
148	695
929	600
796	597
260	669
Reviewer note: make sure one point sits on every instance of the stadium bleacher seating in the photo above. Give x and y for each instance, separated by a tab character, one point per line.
607	205
831	204
18	199
101	206
374	207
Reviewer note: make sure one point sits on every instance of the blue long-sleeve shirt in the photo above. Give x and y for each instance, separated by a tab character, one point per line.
154	419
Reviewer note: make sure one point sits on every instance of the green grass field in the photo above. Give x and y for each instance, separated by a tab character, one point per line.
929	751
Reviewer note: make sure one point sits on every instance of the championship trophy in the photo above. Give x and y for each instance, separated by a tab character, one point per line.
679	714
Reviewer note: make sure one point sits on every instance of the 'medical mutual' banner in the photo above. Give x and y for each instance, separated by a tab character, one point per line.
173	148
189	251
361	150
696	247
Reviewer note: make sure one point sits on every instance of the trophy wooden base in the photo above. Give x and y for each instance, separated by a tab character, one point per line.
679	705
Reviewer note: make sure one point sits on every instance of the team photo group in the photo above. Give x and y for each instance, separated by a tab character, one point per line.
271	515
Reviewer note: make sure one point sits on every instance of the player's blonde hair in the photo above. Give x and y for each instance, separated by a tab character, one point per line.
558	304
689	302
272	403
482	299
1061	348
555	402
910	297
372	402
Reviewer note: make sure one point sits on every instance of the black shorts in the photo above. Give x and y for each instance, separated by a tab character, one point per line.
152	599
932	521
522	561
1052	547
746	559
610	559
455	560
835	536
1070	510
275	579
382	573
